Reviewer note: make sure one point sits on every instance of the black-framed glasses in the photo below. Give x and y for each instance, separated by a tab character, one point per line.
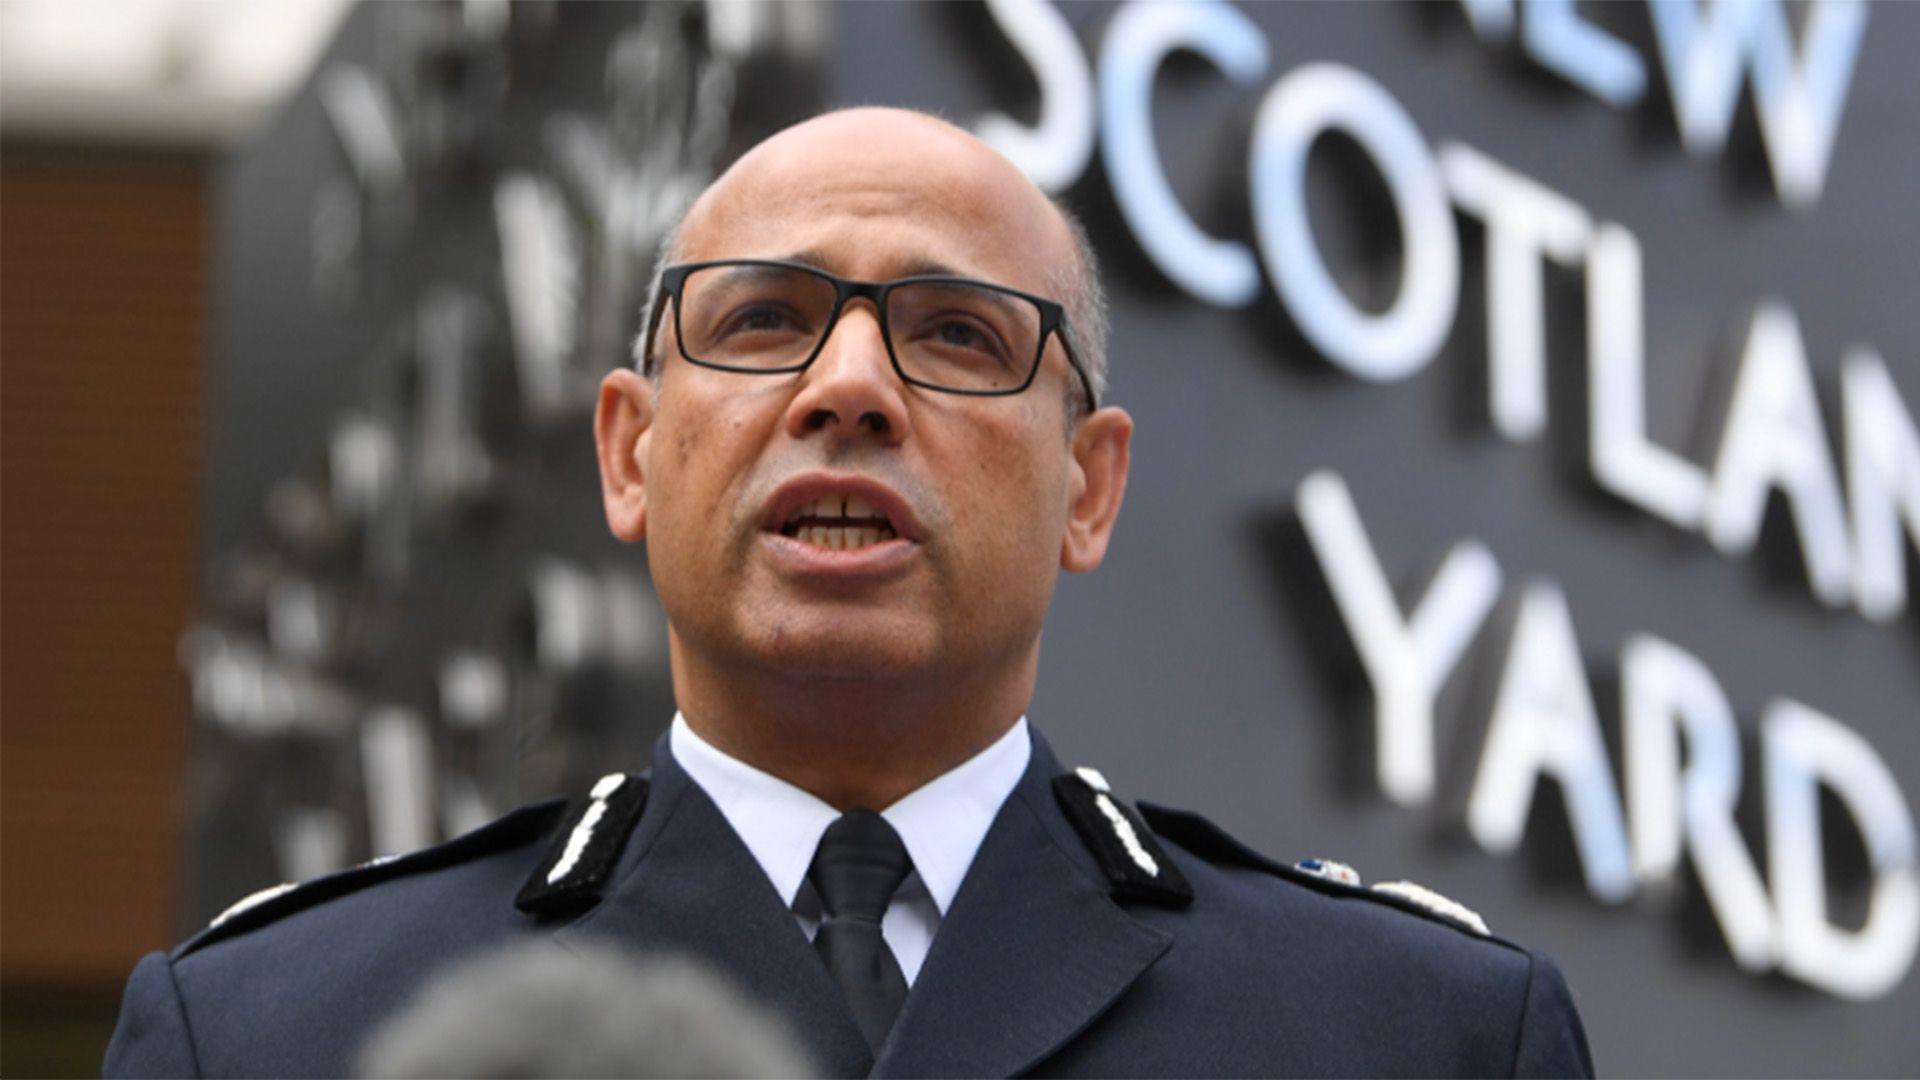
952	334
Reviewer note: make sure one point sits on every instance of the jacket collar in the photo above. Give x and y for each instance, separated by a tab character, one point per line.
1031	952
687	885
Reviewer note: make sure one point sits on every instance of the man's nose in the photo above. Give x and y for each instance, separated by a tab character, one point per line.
850	390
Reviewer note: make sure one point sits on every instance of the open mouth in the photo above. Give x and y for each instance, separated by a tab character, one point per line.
840	523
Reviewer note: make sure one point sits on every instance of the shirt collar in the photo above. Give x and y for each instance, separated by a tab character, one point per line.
941	823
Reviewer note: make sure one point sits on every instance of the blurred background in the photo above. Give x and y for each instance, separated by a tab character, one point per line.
1588	331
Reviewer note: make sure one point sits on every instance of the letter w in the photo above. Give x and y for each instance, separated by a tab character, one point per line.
1799	99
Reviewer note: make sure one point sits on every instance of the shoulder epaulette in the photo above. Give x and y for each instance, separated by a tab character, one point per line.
585	850
1135	865
1210	842
524	825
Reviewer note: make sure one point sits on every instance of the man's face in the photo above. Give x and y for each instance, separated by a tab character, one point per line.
979	491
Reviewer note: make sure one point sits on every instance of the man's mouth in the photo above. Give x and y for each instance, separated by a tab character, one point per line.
840	523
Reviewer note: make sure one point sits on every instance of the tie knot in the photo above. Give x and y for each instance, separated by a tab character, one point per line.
859	865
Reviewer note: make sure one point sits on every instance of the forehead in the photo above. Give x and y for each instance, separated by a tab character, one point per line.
882	195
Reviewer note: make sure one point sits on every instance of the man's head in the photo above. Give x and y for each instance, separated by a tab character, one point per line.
732	478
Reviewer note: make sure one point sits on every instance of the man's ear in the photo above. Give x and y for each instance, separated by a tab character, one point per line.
1098	485
622	426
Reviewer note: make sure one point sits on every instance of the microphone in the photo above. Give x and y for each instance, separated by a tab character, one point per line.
538	1010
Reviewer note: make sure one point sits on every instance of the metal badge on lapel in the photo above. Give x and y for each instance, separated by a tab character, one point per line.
585	850
1331	870
1137	868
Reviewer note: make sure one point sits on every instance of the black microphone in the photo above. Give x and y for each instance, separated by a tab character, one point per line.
538	1010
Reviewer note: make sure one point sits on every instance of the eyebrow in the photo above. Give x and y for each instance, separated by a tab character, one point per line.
924	266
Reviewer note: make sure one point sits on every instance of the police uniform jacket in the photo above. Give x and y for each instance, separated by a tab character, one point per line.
1089	938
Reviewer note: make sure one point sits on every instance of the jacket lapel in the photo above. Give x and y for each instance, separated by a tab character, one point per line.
1032	951
687	885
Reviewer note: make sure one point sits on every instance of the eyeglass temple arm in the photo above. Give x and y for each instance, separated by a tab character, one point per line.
1073	357
643	348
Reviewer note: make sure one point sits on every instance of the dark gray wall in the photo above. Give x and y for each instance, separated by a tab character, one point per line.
1203	664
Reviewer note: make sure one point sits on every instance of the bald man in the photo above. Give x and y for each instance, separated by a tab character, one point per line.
862	436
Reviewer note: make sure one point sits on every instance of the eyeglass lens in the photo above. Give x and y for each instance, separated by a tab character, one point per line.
767	318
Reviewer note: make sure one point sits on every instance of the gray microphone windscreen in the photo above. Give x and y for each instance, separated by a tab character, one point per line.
538	1010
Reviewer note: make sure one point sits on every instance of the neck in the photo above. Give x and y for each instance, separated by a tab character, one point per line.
850	741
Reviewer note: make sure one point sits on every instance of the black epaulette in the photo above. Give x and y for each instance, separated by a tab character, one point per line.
1137	868
586	849
525	825
1210	842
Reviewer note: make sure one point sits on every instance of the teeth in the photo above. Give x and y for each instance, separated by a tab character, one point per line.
843	538
849	508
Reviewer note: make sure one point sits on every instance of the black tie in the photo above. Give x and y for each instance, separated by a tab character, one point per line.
860	863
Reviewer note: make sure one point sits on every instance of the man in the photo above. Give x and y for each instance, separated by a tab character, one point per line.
865	435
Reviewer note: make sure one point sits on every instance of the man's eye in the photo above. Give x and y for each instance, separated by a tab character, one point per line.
764	318
962	335
966	336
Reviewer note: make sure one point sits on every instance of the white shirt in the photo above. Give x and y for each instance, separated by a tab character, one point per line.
941	823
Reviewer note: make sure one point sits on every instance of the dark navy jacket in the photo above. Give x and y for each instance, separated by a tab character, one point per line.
1039	967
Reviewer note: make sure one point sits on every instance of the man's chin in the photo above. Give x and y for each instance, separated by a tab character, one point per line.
825	646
